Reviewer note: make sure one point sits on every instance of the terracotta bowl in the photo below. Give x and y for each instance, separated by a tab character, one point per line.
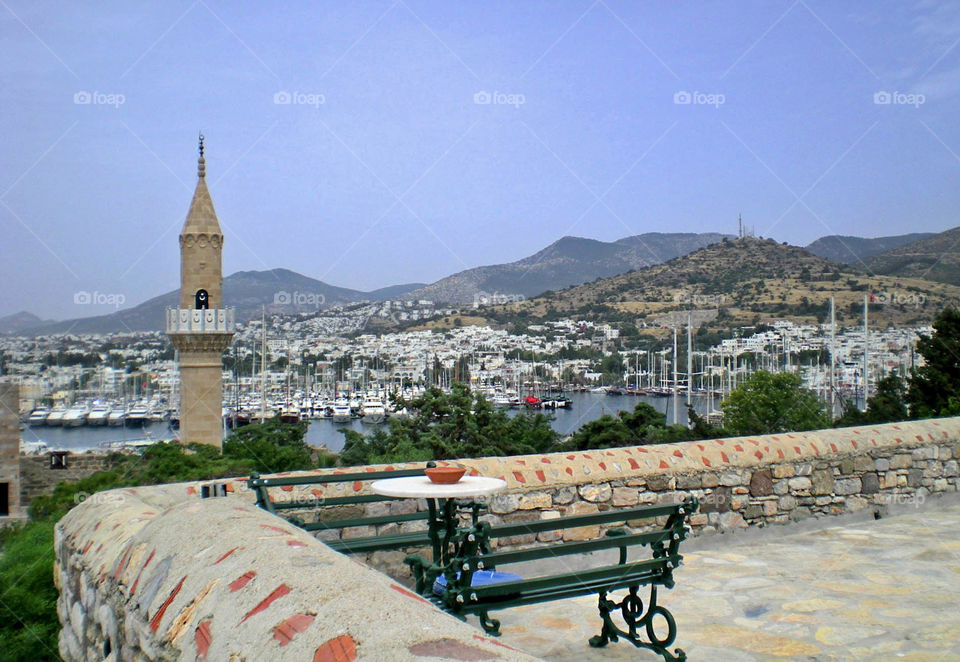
445	475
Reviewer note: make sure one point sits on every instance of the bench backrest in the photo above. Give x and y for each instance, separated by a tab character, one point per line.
263	484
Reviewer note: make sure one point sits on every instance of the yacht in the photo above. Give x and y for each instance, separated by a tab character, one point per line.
75	416
138	414
341	411
373	410
38	417
34	447
55	417
290	414
116	417
98	415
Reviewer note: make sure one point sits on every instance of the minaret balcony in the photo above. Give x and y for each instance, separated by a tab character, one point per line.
208	320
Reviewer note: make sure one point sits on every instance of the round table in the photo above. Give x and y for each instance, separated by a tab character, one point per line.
421	487
441	503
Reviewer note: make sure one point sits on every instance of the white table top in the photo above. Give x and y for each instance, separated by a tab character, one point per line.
421	487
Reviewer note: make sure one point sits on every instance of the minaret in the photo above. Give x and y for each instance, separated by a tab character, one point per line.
201	328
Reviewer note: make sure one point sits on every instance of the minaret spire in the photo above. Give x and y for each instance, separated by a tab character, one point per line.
201	163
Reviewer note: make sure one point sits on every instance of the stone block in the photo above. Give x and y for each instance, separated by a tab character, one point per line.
770	508
709	480
800	484
753	511
731	478
950	469
781	487
625	496
862	463
692	482
804	469
847	466
740	489
940	485
699	519
738	502
647	498
595	493
783	471
914	478
869	483
761	483
716	501
882	463
731	520
660	483
821	482
583	532
535	500
924	453
403	506
358	532
504	503
901	461
565	495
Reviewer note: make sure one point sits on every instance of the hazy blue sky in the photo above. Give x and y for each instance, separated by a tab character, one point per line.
392	172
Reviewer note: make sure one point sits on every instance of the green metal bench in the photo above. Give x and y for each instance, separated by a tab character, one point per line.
283	507
474	553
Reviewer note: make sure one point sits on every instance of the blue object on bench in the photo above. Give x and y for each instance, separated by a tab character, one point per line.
480	578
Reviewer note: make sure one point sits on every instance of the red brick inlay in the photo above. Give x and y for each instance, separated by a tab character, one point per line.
569	470
157	617
705	461
855	444
700	446
602	465
271	527
225	555
780	453
136	581
203	638
87	547
242	581
523	462
633	463
450	649
278	593
677	453
833	447
495	642
519	477
545	460
409	594
723	456
287	488
191	490
296	624
738	447
341	649
759	455
796	449
357	486
541	476
664	465
296	543
123	561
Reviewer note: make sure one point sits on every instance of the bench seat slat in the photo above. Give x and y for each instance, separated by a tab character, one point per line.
374	543
365	521
548	551
319	479
645	512
619	574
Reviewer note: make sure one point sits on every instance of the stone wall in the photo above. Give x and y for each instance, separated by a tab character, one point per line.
10	451
37	478
146	564
145	575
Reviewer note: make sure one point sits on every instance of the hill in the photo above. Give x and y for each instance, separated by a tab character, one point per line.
17	322
280	290
855	250
935	258
740	280
567	261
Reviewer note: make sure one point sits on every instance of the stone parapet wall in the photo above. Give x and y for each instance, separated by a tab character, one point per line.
37	478
145	575
145	564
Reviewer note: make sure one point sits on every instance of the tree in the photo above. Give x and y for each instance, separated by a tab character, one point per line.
271	447
884	406
935	386
768	403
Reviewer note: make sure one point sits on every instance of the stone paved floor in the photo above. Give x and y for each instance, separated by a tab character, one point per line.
870	590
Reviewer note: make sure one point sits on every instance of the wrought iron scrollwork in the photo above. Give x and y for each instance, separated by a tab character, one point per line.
638	620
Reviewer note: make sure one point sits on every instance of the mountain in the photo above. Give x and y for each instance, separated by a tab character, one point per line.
280	290
567	261
934	258
855	250
12	324
742	279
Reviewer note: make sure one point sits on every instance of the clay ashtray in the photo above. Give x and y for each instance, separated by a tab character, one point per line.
445	475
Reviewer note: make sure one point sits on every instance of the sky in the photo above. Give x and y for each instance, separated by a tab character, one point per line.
374	143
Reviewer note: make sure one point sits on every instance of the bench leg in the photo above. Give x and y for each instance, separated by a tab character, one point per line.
639	623
490	625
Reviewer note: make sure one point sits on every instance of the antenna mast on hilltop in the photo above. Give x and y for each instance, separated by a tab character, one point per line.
739	226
